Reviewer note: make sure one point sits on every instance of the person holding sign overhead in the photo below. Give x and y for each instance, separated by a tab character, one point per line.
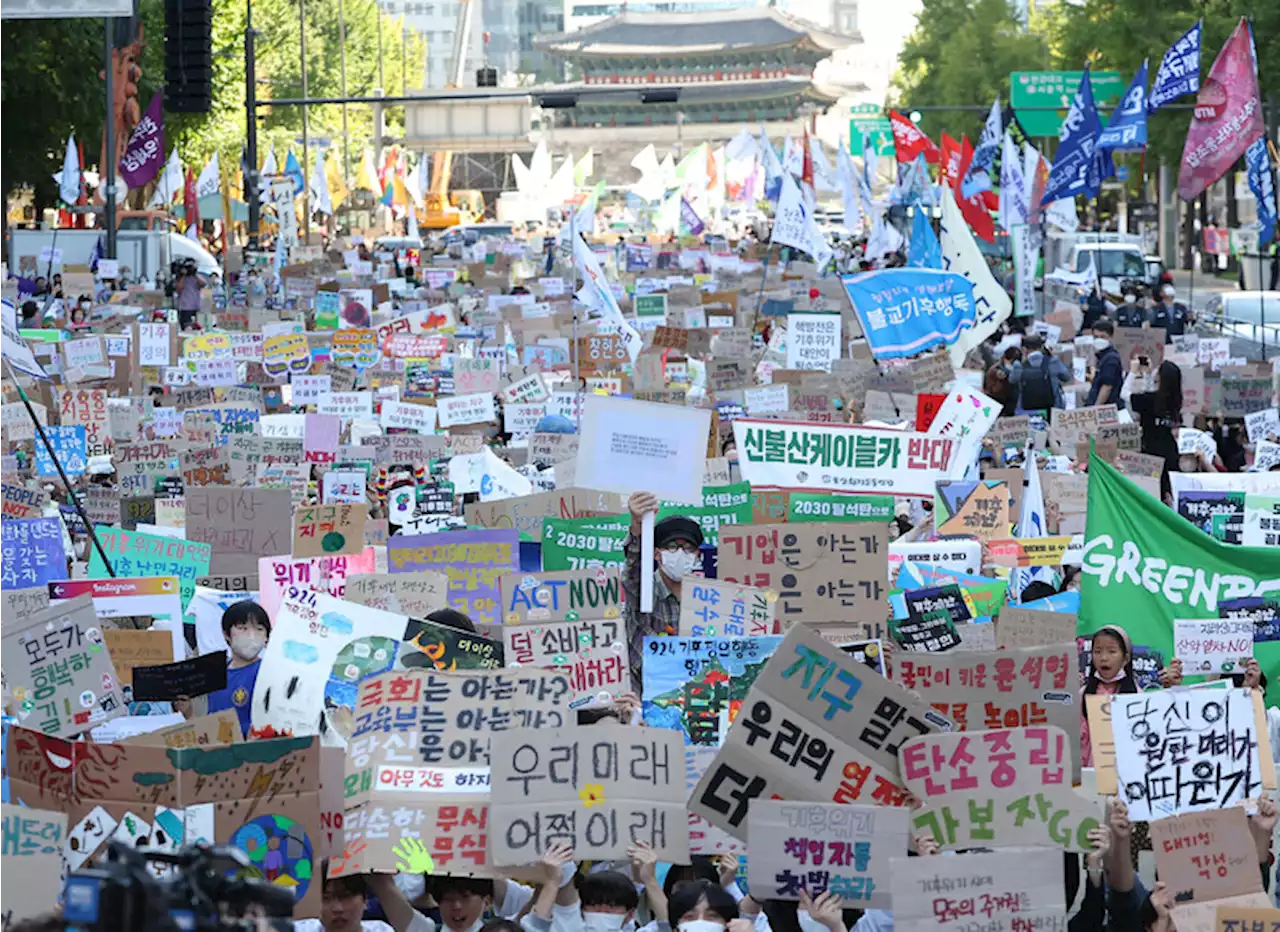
677	543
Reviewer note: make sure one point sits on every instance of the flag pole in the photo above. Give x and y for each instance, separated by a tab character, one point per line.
573	255
71	493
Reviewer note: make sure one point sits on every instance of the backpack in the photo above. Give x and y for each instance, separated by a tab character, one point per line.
1037	387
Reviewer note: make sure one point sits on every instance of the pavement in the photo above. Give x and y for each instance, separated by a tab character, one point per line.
1206	286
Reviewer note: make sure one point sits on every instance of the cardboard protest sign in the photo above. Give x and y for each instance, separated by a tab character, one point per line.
258	796
1212	645
32	880
130	647
627	446
59	671
420	743
1000	689
591	653
328	530
705	838
219	728
972	509
31	552
1205	856
598	789
1102	743
710	608
328	575
429	645
997	789
320	650
692	685
1185	770
845	752
526	513
1008	889
473	561
414	594
820	847
821	572
1029	627
1246	919
561	596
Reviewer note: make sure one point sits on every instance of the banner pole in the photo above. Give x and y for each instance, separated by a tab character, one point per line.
71	493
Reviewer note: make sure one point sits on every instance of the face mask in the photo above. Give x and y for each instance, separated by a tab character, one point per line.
1129	299
247	646
603	922
701	925
1099	343
411	885
676	563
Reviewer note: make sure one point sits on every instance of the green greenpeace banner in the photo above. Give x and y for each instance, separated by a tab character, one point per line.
1144	566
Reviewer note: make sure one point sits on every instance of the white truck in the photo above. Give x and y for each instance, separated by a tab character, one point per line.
141	253
1117	258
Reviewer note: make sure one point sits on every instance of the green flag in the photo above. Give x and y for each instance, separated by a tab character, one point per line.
1144	566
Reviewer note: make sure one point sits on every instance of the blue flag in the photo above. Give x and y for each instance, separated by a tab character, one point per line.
293	170
926	251
1262	182
1179	71
1075	167
906	311
1127	129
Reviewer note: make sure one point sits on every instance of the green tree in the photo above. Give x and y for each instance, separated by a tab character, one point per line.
50	84
960	55
49	88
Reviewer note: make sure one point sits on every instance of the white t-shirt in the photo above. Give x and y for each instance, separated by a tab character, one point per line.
420	923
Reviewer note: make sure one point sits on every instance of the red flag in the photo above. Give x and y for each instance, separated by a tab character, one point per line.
910	141
1227	117
950	160
190	203
974	209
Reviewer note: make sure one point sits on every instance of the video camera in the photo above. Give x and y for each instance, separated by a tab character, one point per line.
207	891
182	267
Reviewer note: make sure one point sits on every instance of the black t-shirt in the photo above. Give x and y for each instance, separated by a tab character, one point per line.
1157	429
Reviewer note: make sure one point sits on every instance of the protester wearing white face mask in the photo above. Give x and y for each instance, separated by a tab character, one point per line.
246	627
676	547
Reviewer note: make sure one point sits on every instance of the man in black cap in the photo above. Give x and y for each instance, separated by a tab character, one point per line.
677	543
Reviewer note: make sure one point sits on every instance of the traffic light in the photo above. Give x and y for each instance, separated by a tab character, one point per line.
188	56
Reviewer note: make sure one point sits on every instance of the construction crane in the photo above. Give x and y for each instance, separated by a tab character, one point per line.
442	209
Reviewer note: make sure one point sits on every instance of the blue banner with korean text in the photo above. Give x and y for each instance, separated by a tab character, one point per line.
904	312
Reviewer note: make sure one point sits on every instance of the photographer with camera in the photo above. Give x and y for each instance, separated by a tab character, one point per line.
187	284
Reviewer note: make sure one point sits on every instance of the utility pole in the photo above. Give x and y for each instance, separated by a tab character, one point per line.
306	171
251	130
108	170
342	75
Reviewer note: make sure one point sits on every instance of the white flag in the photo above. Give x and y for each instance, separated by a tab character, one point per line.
209	181
320	199
1015	207
269	168
824	178
414	183
960	254
524	181
849	190
792	157
170	182
597	296
794	225
69	178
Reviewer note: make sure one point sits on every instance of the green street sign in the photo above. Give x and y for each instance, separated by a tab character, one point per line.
869	120
1057	89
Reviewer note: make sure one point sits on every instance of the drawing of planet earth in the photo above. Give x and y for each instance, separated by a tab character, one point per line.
280	851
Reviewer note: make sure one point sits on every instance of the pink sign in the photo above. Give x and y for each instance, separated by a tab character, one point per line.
319	574
1227	119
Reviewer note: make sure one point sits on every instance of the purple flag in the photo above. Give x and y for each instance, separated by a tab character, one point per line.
690	218
144	155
